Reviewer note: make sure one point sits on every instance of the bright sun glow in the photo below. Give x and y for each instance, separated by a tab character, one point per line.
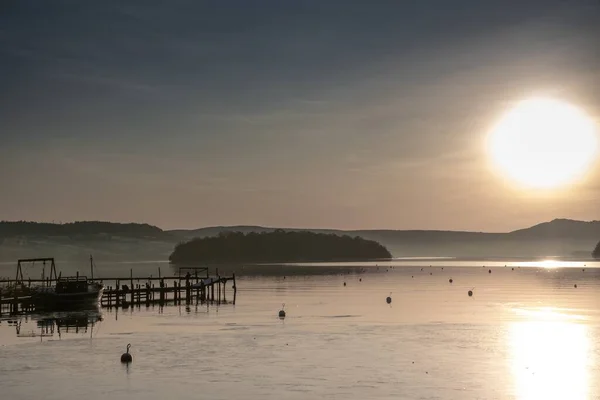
543	143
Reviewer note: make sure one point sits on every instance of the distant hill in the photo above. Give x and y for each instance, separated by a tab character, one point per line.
277	246
80	230
596	252
76	241
560	237
560	228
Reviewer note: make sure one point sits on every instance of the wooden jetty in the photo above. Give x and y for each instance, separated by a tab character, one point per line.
196	286
190	286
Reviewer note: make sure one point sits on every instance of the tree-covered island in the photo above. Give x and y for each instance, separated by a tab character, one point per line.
277	246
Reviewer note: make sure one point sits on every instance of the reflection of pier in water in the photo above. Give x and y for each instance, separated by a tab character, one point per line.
77	322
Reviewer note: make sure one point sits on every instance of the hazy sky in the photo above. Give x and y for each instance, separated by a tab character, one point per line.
342	114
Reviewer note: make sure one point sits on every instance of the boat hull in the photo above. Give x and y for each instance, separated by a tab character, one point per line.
67	301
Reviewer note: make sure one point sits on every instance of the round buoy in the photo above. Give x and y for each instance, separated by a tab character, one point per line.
513	268
360	279
344	283
442	268
575	286
126	357
388	300
470	293
583	270
282	311
450	280
431	273
489	271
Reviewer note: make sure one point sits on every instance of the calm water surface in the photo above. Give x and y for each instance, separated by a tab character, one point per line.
526	333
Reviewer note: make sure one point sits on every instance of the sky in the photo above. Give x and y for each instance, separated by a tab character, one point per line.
323	114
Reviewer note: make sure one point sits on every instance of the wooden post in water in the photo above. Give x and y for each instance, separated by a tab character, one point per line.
117	294
234	289
162	291
132	291
218	288
187	288
197	289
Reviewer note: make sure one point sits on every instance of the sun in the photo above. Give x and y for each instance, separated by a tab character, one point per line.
543	143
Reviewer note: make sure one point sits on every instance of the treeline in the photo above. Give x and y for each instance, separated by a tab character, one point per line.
75	229
596	252
277	246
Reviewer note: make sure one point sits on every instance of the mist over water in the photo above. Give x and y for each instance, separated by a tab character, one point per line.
525	333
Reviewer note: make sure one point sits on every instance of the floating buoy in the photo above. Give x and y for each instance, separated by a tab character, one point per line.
583	270
360	279
442	268
489	271
513	268
431	273
470	292
412	276
282	311
126	357
575	286
344	283
389	299
450	280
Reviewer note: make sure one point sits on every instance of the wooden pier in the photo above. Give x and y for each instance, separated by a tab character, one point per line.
196	286
191	286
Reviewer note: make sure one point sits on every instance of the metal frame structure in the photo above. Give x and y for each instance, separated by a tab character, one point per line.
53	275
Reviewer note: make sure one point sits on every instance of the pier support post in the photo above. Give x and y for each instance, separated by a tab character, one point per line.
162	292
187	288
132	287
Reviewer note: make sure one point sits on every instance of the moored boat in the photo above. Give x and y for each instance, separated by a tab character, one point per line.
62	293
68	293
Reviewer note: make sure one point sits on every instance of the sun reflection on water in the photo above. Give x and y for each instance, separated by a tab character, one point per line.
550	356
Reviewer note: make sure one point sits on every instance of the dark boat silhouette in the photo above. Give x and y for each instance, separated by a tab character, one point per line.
67	293
62	293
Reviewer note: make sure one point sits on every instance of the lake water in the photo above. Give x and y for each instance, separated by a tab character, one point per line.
526	333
